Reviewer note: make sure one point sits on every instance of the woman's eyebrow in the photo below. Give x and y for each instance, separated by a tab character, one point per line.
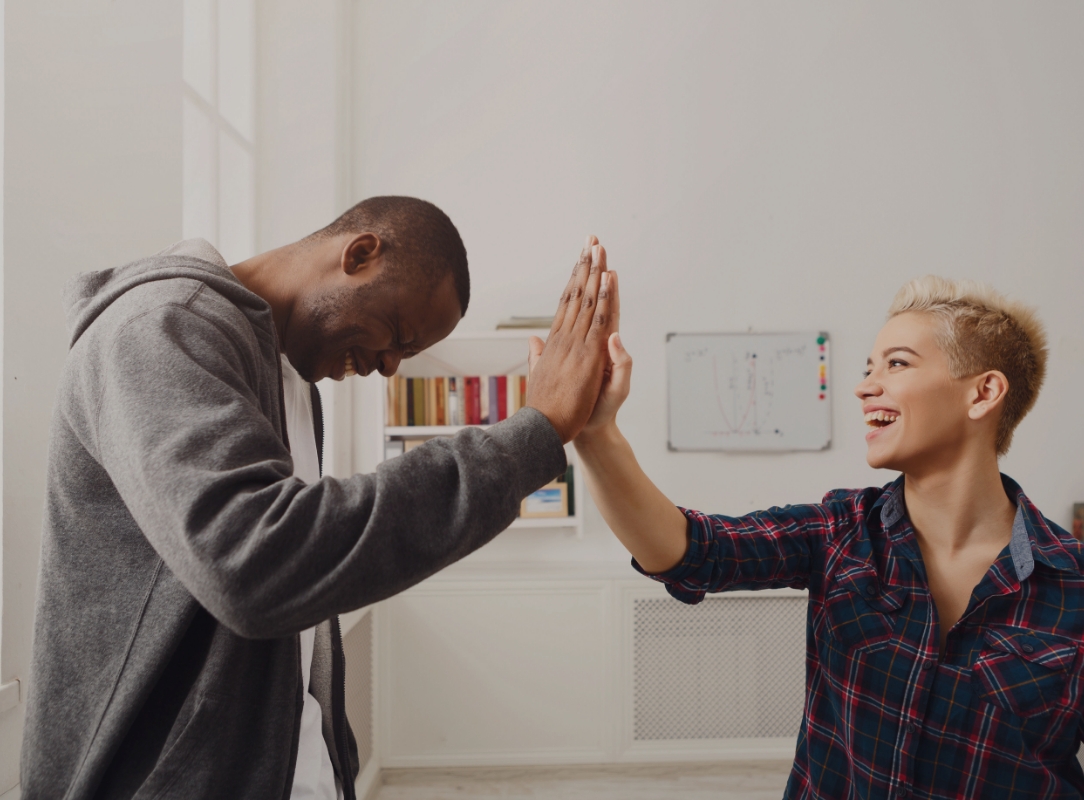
891	350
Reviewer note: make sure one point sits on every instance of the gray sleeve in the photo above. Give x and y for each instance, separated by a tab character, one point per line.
209	483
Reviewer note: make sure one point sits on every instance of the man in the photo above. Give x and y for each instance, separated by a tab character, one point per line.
182	558
945	612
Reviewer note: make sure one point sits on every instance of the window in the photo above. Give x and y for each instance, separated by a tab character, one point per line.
219	125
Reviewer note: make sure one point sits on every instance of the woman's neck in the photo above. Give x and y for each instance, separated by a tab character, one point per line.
960	505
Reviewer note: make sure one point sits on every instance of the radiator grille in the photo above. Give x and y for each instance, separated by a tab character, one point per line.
358	649
731	667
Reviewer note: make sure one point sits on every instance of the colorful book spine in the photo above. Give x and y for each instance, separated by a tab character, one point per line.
452	403
502	396
454	400
430	402
475	401
419	400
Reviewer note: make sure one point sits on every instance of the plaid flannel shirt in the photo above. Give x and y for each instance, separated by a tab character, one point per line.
997	716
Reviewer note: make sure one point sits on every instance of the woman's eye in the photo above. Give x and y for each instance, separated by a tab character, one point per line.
897	363
866	373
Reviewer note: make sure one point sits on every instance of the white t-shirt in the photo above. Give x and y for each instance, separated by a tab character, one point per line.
314	777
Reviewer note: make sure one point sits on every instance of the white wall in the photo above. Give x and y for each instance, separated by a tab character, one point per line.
779	166
92	153
303	152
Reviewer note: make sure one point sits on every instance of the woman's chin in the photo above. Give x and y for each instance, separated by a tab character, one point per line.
879	458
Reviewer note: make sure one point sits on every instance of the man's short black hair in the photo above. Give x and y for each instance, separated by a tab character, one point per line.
418	236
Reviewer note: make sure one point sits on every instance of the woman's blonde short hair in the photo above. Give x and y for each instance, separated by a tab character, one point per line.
982	330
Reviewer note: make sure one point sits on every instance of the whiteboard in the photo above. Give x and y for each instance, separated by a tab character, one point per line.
749	391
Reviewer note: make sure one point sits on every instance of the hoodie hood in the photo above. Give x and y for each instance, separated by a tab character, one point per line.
87	295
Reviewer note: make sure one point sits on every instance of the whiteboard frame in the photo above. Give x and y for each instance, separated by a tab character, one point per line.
669	416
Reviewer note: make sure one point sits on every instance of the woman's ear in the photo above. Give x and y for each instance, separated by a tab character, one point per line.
361	252
988	394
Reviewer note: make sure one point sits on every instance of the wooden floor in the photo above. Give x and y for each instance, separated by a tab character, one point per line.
759	780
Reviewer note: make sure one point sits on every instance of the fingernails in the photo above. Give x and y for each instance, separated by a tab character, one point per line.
617	341
588	243
605	280
594	253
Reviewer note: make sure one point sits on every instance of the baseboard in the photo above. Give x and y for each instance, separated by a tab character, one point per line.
367	783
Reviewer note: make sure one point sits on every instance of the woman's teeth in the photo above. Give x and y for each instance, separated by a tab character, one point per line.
878	419
350	368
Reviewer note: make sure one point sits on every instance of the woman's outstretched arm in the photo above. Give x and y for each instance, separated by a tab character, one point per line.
649	525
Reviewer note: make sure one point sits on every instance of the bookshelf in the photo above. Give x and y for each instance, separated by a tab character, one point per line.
481	353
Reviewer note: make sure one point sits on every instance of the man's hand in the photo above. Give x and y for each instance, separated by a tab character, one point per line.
566	372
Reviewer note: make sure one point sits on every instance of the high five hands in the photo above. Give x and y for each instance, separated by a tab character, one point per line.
580	376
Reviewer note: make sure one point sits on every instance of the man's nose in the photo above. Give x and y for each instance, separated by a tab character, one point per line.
388	363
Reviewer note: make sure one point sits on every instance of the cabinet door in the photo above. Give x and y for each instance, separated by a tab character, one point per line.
510	674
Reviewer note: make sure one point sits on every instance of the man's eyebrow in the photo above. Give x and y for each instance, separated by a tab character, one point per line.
891	350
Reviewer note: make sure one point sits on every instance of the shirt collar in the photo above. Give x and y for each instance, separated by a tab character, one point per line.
1032	539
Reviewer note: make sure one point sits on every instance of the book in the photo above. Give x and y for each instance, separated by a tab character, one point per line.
490	413
514	397
430	401
451	387
475	401
410	402
402	398
502	397
419	400
483	393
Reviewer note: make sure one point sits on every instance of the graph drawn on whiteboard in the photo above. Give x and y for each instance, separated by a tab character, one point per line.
748	391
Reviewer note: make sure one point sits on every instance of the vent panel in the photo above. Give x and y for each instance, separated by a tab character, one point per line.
731	667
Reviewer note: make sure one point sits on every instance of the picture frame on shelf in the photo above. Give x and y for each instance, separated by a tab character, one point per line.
548	502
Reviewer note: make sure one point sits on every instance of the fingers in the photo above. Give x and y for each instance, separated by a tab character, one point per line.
615	301
571	296
578	286
621	371
535	346
600	323
589	302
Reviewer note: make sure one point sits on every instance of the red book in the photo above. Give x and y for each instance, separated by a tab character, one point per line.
502	397
475	400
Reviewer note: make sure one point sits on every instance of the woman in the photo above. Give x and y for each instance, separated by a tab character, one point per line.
945	611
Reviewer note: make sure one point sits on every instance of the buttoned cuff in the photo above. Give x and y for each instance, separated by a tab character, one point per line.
677	579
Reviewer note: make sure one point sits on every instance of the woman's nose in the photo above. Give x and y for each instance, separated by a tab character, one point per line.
867	387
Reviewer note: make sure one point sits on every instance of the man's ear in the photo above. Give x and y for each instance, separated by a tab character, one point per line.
361	253
988	394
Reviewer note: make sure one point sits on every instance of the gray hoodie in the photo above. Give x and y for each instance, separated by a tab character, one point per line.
180	558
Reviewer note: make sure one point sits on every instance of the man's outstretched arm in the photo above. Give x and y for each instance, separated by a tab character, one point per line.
208	481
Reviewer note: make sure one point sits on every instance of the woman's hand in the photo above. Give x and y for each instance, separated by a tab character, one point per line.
616	380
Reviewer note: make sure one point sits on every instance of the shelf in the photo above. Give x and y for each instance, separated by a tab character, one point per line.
420	431
545	522
503	333
488	353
